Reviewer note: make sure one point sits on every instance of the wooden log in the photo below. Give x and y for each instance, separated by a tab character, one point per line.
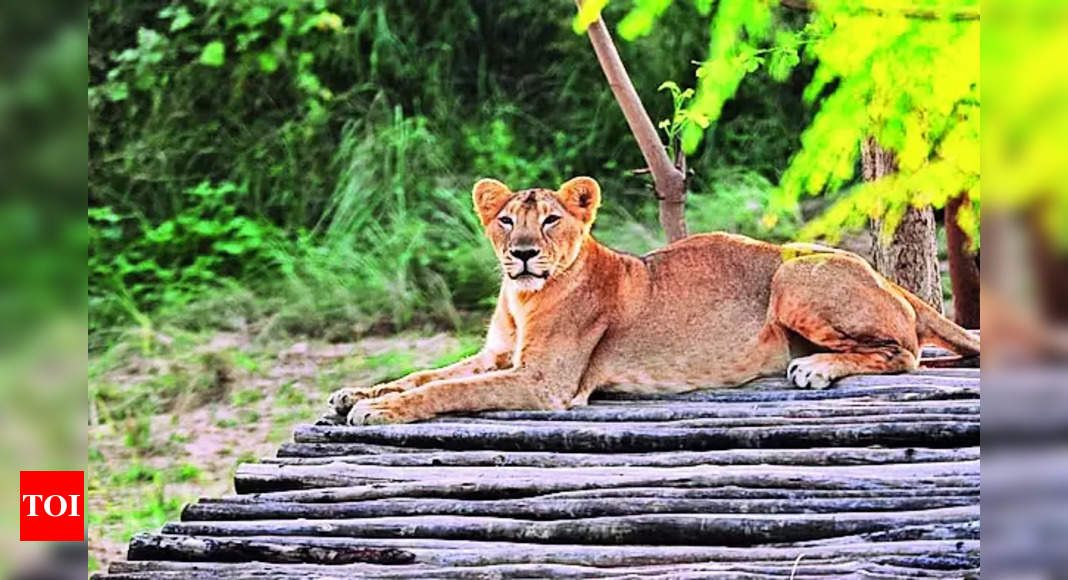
743	493
260	477
829	456
950	567
328	449
899	379
969	530
855	418
961	372
675	529
555	508
147	546
364	449
732	492
797	571
674	411
436	552
614	438
917	388
482	487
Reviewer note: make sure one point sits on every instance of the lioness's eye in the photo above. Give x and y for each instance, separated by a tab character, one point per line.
550	220
505	221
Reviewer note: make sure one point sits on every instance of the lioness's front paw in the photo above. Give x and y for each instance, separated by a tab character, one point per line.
344	399
808	373
376	412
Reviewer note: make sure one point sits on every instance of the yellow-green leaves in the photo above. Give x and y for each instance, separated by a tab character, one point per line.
214	54
639	21
588	13
910	82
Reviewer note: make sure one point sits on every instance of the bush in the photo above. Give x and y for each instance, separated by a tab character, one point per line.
309	163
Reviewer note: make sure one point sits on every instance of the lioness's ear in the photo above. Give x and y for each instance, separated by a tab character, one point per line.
581	196
490	196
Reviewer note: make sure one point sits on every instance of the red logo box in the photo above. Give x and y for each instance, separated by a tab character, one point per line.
52	506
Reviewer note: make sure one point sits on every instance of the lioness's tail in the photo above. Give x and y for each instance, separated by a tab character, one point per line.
933	328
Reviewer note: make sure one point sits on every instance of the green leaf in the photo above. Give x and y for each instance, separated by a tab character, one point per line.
669	86
268	63
256	16
104	214
181	18
229	247
286	21
782	63
637	23
117	91
214	54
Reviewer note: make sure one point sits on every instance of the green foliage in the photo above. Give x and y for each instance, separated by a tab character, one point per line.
305	167
186	472
681	116
135	264
910	83
739	202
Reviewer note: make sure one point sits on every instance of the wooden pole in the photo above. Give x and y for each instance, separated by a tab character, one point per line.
668	179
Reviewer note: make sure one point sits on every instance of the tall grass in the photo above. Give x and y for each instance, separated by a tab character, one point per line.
399	243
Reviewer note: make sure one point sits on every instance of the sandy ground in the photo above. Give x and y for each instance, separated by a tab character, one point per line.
140	478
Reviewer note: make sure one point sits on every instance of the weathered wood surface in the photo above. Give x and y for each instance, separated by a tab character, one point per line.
876	477
937	558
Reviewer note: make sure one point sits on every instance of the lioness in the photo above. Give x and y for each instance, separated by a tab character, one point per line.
709	310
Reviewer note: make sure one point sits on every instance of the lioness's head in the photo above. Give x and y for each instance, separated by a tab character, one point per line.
536	233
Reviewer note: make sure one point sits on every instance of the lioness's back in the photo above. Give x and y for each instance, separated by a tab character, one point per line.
714	267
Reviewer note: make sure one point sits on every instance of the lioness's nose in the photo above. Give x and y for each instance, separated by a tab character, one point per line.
525	253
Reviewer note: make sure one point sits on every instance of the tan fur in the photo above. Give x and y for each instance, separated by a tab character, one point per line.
709	310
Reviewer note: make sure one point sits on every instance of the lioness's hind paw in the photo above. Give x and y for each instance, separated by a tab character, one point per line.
807	373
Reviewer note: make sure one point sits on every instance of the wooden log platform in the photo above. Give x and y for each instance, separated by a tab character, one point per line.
876	477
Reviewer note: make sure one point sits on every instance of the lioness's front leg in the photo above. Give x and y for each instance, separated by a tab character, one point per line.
546	376
343	399
507	389
495	355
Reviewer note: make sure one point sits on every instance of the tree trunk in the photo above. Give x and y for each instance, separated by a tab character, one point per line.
963	267
669	178
911	257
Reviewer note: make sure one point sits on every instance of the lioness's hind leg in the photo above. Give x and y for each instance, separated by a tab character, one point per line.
817	371
838	303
